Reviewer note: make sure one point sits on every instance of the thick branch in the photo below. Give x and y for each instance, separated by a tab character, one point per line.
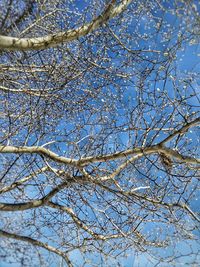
36	243
175	154
138	151
40	202
37	150
52	40
32	204
24	91
182	130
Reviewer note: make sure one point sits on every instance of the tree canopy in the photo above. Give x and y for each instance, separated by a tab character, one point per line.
99	140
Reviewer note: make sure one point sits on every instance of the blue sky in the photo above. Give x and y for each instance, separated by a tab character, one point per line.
187	60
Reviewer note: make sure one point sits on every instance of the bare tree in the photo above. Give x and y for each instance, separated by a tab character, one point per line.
99	117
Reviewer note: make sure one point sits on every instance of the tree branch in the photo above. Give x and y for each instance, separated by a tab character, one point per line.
182	130
78	222
138	152
133	193
38	150
24	91
52	40
32	204
22	181
36	243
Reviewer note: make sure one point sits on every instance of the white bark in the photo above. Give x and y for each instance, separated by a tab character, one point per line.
38	150
138	152
52	40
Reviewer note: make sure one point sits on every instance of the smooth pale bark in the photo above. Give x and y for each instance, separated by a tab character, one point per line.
52	40
122	154
38	150
85	161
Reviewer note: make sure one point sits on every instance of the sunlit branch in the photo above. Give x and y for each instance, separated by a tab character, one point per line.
138	152
22	181
175	154
121	167
99	119
32	204
182	130
52	40
36	243
38	150
24	91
